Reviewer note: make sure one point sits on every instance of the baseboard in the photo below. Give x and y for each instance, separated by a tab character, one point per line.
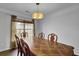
7	50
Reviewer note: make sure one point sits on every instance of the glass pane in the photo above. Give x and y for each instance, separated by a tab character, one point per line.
25	25
29	26
18	32
19	25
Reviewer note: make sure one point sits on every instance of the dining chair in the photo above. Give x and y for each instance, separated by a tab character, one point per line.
41	35
25	49
18	44
52	39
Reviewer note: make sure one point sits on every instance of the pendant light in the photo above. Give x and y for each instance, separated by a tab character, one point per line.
37	15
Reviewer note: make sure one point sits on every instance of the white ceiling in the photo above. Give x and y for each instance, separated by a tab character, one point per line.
46	8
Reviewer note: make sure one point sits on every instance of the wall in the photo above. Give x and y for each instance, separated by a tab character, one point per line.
65	24
37	28
5	23
4	31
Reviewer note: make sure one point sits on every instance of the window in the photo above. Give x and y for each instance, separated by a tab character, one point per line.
28	29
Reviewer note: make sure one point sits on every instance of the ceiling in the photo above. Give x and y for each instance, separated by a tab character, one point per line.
29	8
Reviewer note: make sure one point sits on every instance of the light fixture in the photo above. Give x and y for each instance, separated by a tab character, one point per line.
37	15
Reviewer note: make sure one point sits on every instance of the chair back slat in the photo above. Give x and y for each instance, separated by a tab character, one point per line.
41	35
18	44
52	38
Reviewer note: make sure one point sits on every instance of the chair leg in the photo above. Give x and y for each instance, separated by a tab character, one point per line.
24	54
18	53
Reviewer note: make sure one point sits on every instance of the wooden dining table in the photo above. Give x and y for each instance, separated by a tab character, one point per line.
42	47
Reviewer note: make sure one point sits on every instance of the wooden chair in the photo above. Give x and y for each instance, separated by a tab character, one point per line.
22	49
41	35
52	38
18	44
25	49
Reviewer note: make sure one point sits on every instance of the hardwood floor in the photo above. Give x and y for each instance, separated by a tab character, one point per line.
12	52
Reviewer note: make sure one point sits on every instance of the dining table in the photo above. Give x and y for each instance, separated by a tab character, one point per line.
42	47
